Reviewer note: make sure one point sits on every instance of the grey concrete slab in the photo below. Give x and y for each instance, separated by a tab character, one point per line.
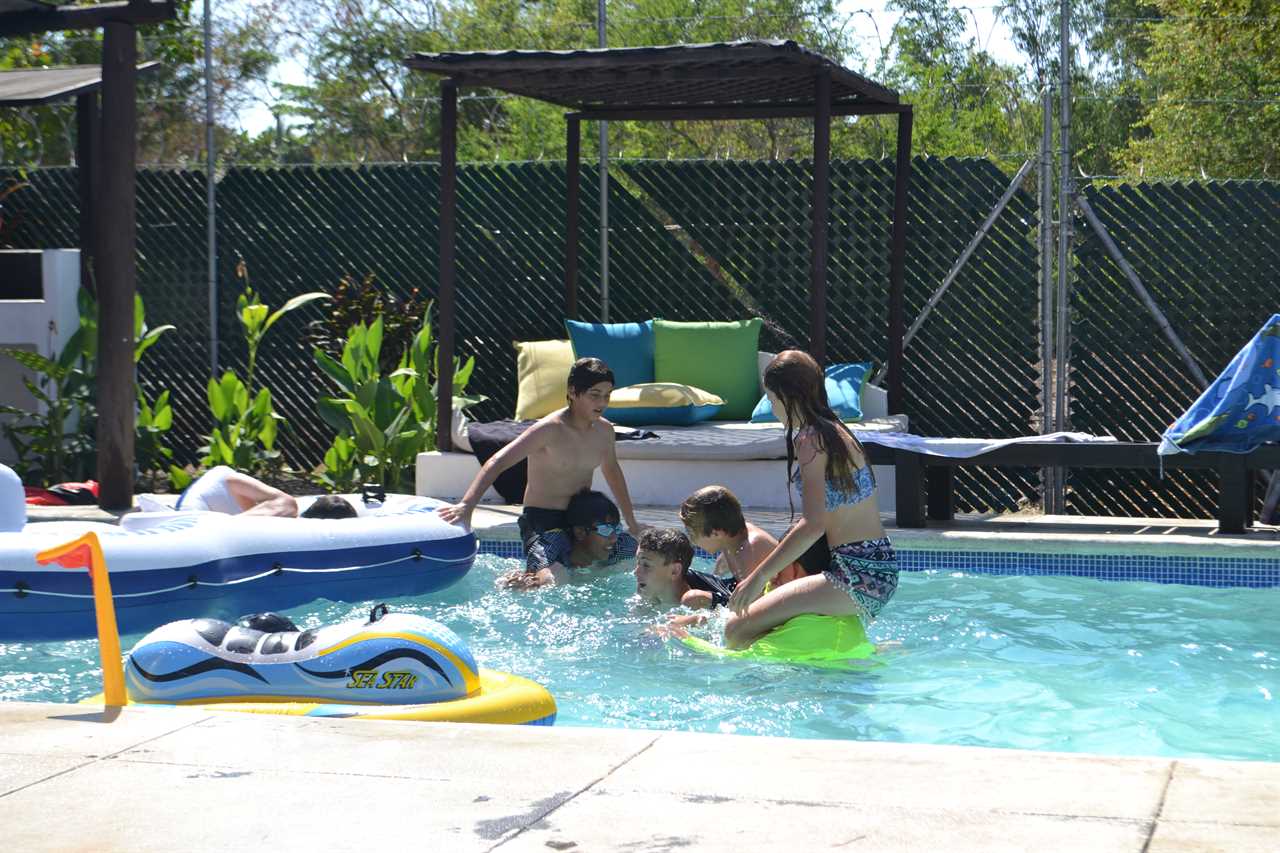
887	774
84	730
496	760
119	805
1173	836
709	824
1227	792
18	770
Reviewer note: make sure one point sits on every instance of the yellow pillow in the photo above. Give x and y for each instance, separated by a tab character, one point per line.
542	371
661	403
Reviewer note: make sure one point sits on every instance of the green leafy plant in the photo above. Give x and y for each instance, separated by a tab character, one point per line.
55	442
383	421
245	422
354	303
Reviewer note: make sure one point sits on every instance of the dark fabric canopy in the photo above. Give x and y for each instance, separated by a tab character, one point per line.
22	87
764	73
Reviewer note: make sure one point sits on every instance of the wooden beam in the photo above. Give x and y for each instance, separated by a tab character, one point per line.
721	112
573	179
116	266
819	218
61	18
448	271
897	263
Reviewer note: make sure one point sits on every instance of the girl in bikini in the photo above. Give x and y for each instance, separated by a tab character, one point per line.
831	470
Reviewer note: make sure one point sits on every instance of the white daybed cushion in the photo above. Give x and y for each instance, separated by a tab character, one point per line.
731	440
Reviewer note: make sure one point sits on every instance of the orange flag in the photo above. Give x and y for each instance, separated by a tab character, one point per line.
86	553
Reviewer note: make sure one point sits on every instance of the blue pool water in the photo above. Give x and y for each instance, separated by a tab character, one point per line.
1038	662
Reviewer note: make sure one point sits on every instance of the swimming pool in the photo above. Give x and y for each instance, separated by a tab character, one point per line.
1041	662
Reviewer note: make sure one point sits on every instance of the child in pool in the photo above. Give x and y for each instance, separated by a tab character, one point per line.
591	538
564	449
713	519
664	573
834	476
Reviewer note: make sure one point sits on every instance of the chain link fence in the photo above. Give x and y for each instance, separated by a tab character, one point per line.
718	240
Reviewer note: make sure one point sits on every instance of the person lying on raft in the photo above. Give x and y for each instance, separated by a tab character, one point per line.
591	538
713	519
837	488
221	489
564	449
664	575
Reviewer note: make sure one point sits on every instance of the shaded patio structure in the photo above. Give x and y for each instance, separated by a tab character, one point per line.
723	81
106	145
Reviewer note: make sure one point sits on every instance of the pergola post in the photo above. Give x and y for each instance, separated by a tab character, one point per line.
573	178
448	266
88	138
116	268
820	216
897	261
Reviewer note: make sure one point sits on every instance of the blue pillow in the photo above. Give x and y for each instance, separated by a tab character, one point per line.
626	347
844	392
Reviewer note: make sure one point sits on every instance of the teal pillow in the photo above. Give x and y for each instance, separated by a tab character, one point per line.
717	357
844	391
626	347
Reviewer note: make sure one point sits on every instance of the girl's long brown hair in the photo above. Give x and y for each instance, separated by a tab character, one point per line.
797	381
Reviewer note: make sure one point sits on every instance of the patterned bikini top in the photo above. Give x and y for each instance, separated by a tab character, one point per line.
864	486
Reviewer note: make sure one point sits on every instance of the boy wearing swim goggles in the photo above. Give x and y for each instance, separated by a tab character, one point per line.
592	537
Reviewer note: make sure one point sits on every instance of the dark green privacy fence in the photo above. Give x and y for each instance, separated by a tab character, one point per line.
1209	253
717	240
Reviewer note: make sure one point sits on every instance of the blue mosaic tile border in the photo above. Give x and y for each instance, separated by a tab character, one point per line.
1198	571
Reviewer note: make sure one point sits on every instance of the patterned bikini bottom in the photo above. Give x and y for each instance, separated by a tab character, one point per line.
867	571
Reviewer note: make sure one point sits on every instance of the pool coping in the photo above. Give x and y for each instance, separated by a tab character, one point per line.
307	783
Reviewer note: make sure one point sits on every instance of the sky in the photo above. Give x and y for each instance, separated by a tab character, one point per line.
868	19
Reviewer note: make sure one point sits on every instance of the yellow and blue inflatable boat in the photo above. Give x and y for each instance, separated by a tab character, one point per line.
395	666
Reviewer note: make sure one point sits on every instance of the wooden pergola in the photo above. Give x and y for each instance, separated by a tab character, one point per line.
111	240
725	81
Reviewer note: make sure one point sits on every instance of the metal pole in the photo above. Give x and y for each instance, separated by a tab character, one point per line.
448	272
960	262
604	184
820	217
1048	475
1143	294
573	172
210	192
1065	192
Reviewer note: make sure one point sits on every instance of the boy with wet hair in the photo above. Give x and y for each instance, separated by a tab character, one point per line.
592	538
563	449
713	518
664	575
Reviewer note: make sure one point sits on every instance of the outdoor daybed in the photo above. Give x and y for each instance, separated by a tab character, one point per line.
746	457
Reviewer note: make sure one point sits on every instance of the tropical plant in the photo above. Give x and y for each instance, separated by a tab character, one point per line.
245	423
55	442
364	302
384	421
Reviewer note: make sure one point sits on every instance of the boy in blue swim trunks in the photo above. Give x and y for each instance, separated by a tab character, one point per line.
563	451
587	536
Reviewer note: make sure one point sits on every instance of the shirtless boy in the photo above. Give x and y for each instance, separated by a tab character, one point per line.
564	449
713	517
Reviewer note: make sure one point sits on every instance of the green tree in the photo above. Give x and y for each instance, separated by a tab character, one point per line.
1214	70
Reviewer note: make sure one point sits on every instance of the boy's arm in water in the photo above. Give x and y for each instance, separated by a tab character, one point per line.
547	576
531	440
613	475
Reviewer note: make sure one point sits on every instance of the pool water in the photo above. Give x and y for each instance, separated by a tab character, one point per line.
1028	662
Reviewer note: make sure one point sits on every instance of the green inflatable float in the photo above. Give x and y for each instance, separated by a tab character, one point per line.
830	642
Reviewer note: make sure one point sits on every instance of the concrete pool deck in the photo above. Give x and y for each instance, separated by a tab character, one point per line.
181	779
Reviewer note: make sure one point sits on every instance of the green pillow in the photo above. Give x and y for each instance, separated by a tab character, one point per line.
716	357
